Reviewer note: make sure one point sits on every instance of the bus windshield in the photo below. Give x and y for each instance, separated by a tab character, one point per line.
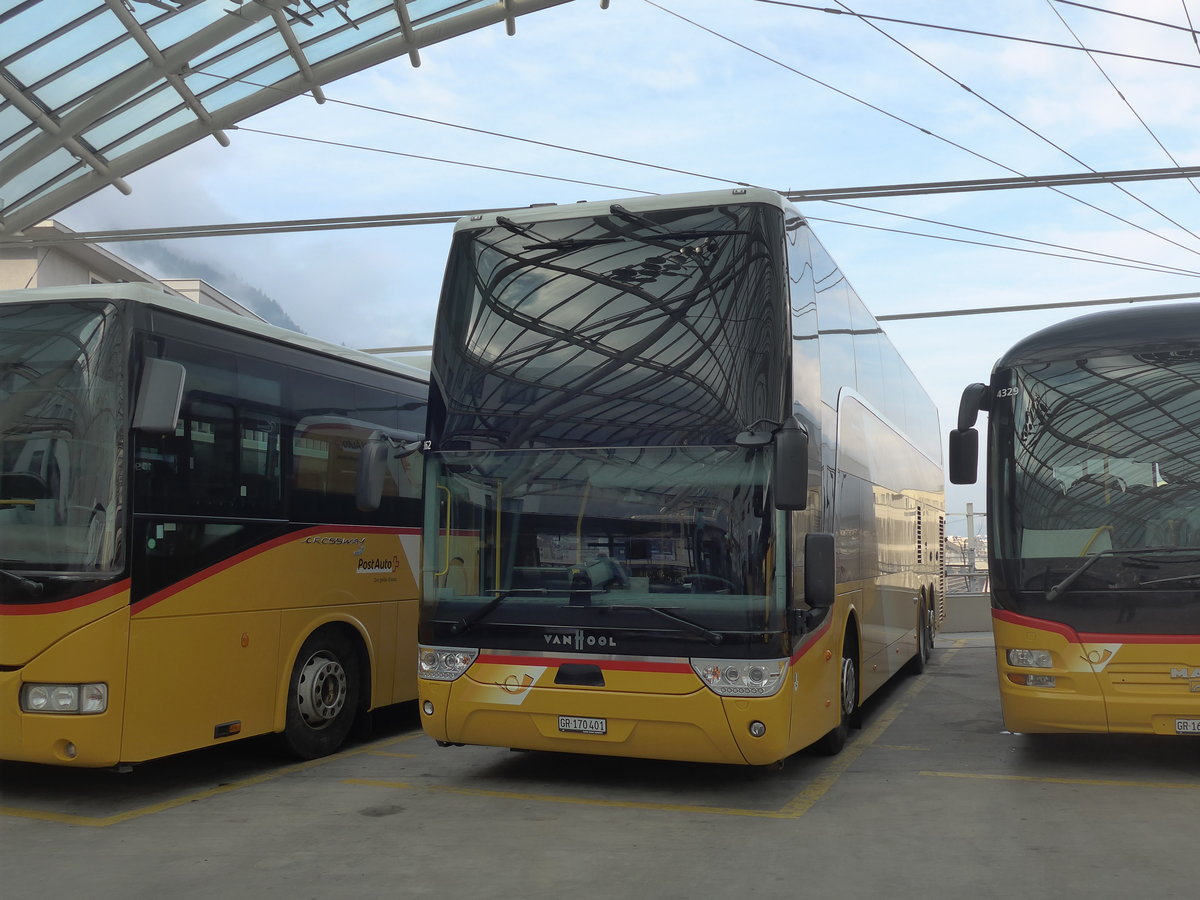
1098	492
617	330
62	419
658	540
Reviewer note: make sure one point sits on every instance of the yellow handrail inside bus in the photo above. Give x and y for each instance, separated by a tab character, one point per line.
446	543
1099	531
587	488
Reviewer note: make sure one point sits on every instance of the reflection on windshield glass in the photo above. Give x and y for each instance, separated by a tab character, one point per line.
1098	502
623	329
683	529
1105	455
62	390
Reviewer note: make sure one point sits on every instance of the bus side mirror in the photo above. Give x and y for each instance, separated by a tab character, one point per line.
964	456
159	396
964	440
372	467
819	577
791	465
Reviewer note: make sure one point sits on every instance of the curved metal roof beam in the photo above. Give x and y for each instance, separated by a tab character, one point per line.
171	64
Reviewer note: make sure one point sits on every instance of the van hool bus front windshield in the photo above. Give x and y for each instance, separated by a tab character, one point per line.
666	327
615	548
1096	492
63	395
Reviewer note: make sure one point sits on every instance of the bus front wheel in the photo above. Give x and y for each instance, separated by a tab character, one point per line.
322	696
833	742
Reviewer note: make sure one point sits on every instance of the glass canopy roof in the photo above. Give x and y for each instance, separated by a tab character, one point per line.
92	90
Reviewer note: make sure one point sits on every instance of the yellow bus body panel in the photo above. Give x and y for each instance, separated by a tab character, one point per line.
88	651
210	658
1130	684
653	708
219	649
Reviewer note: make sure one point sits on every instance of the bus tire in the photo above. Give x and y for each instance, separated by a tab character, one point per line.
918	663
832	743
322	695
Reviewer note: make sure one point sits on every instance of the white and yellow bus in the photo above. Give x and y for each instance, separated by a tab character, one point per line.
683	497
183	556
1093	481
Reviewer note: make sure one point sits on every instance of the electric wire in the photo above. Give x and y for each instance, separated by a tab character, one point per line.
1003	37
1188	15
1124	99
313	140
1033	131
1133	263
939	237
897	118
490	133
1125	15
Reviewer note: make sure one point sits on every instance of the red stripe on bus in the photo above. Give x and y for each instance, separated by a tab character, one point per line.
613	665
812	642
1082	637
166	593
45	609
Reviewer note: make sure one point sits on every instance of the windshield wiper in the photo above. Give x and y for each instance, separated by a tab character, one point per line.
1061	588
466	622
33	588
713	637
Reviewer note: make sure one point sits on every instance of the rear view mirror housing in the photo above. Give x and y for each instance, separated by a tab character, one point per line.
790	478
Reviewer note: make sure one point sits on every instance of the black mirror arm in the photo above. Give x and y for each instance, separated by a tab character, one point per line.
975	397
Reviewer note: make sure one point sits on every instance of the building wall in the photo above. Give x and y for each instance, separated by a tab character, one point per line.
75	262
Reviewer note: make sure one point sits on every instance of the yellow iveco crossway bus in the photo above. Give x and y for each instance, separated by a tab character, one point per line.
185	556
1093	484
683	498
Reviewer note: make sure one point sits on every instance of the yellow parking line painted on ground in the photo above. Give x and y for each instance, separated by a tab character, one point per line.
1094	782
103	821
396	755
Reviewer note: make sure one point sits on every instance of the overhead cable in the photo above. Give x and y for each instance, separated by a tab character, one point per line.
297	137
903	121
1030	307
1028	128
1148	267
1003	37
1134	263
1124	99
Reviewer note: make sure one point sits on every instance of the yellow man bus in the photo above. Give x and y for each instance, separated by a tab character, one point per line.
1093	481
683	497
183	556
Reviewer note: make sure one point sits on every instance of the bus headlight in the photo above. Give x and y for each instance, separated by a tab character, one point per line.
741	677
65	699
1032	659
443	663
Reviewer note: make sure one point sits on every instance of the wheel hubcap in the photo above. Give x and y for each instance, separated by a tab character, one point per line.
849	686
322	690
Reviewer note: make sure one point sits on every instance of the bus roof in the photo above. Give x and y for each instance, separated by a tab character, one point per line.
1140	329
554	211
150	295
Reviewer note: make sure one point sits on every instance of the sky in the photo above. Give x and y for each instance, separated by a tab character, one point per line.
680	95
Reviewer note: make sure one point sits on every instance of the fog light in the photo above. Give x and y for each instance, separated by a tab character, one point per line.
1047	681
427	707
757	729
